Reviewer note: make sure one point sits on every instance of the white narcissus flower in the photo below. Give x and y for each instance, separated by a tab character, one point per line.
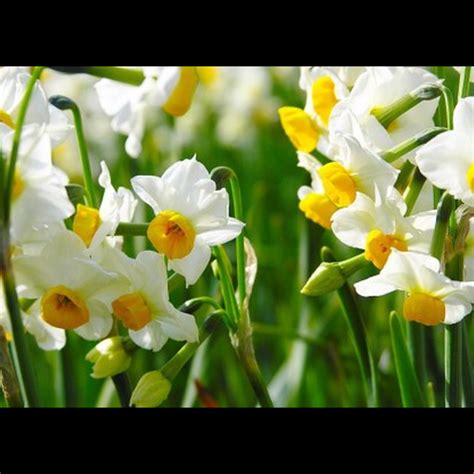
377	226
307	129
47	337
447	160
94	226
39	194
143	306
13	82
375	89
334	185
73	291
432	297
171	88
191	216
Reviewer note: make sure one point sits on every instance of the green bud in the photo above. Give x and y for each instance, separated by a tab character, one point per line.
109	358
151	390
330	276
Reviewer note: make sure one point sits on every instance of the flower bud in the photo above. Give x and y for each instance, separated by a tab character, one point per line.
151	390
330	276
109	358
326	278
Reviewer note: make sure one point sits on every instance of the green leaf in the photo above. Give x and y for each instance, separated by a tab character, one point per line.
408	382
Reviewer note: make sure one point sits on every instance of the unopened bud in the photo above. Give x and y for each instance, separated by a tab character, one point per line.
109	358
151	391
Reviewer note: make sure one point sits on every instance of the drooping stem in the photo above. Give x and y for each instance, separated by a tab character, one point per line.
64	103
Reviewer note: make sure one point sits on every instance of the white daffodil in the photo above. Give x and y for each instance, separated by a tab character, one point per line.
47	337
171	88
346	74
307	129
96	225
335	184
13	82
73	291
432	297
143	306
375	89
447	160
379	225
191	216
39	194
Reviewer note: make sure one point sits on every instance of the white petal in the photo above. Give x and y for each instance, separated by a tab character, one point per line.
150	190
464	117
179	326
445	161
193	265
456	308
374	286
151	337
221	234
47	337
100	322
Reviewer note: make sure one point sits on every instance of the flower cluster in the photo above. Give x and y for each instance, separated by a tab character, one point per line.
67	255
367	137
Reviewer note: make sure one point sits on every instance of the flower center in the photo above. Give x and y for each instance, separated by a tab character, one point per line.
319	208
18	185
172	234
378	247
300	128
470	177
338	184
323	97
6	119
132	310
424	309
180	99
63	308
86	222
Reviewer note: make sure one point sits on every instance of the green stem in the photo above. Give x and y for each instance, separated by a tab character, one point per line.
448	107
241	337
358	335
227	288
64	103
445	208
468	383
192	305
464	82
119	74
69	376
171	369
411	144
22	361
121	381
388	114
239	241
414	191
417	347
125	228
453	344
406	172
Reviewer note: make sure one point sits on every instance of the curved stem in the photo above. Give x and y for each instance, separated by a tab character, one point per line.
64	103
